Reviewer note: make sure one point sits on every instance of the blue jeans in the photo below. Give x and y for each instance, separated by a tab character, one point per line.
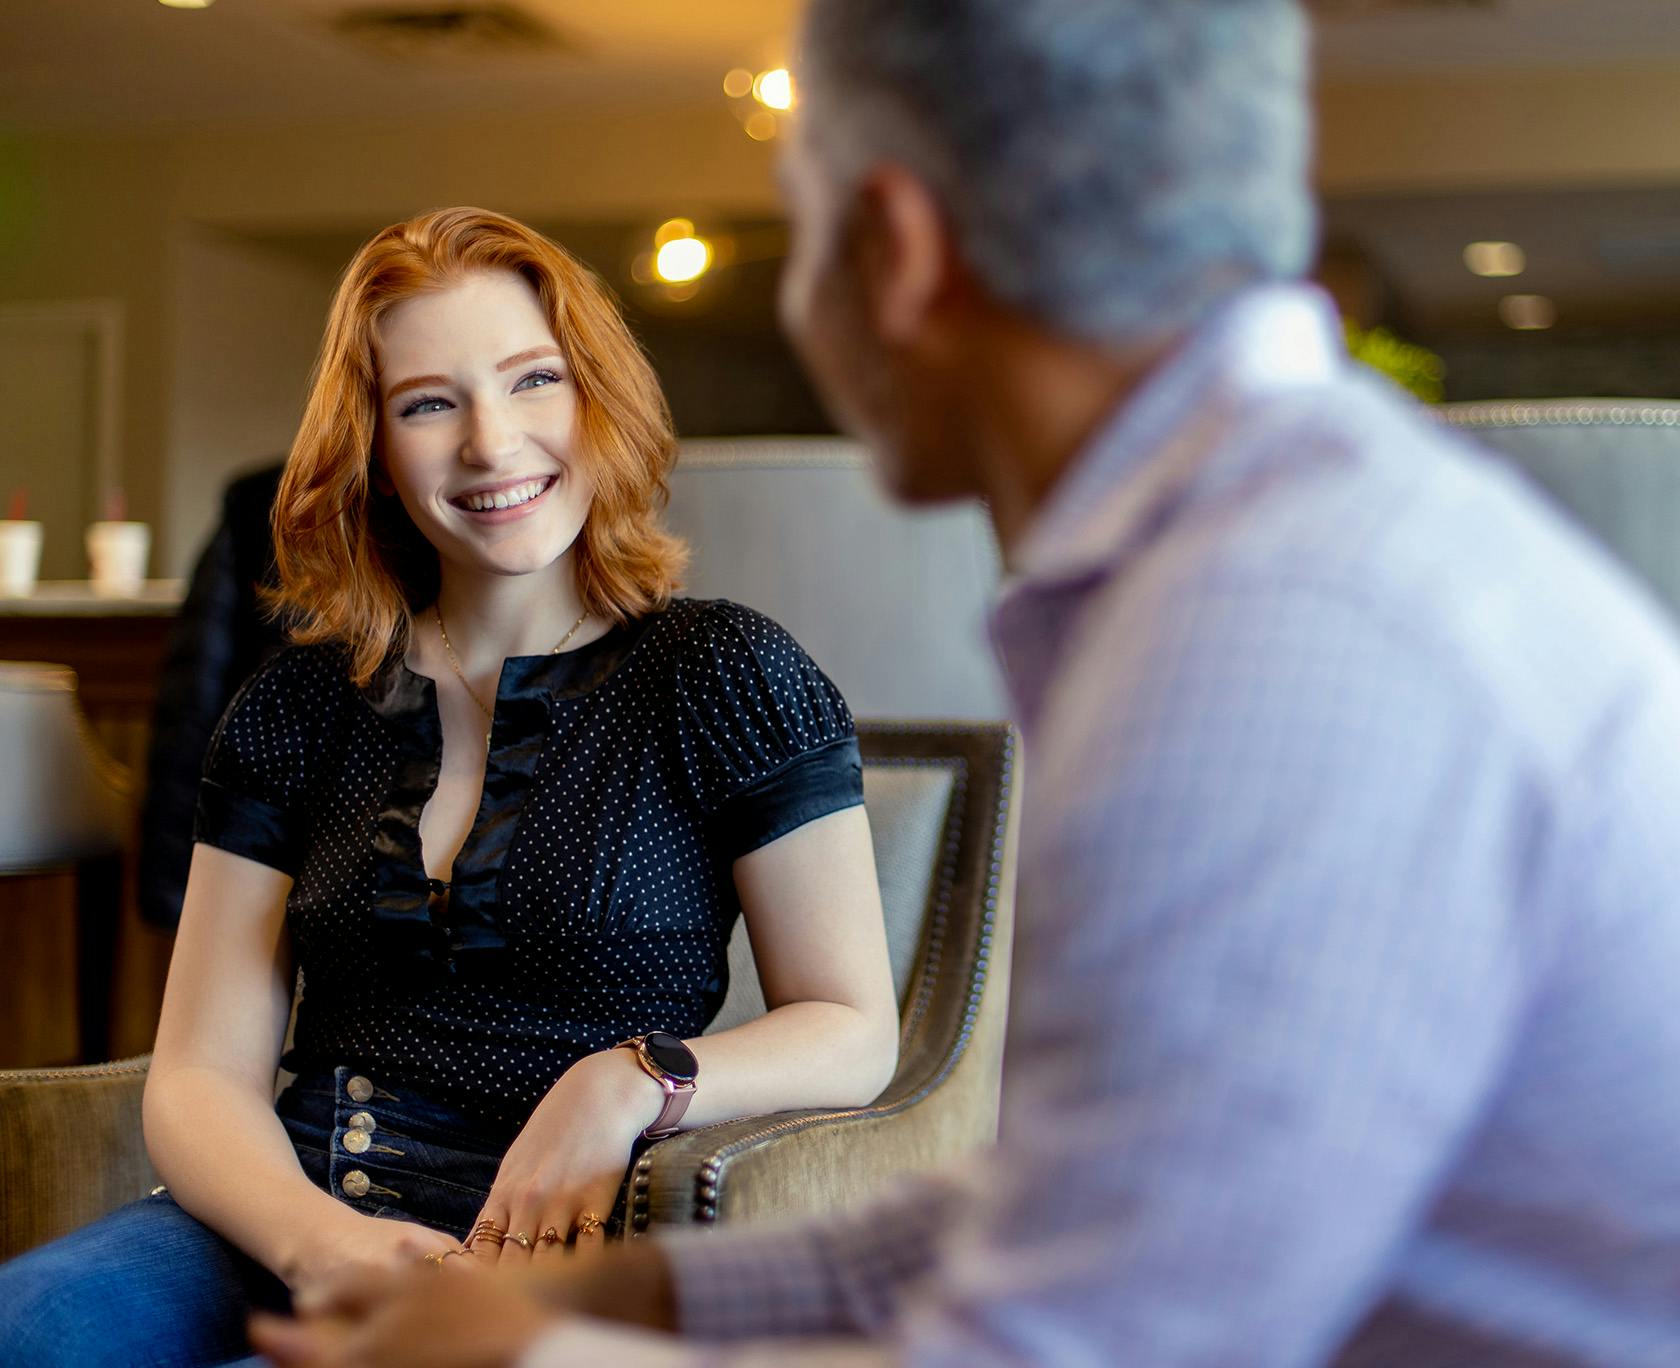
150	1285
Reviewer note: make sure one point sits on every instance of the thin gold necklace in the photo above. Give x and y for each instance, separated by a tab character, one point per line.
455	665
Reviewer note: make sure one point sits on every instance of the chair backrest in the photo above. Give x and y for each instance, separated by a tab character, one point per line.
64	799
938	797
1614	464
890	602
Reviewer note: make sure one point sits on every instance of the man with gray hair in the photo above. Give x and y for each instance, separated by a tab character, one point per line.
1342	1026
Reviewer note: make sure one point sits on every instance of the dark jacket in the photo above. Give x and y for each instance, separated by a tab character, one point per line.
219	639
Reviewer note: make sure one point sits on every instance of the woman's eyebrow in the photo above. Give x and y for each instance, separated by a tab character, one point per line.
520	358
414	382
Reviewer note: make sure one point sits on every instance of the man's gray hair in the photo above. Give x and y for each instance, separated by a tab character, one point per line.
1113	168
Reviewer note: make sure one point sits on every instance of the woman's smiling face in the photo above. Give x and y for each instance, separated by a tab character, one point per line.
477	425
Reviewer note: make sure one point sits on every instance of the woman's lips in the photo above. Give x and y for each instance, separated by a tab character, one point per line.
511	511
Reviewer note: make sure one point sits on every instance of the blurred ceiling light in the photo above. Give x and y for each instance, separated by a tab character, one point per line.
1527	313
187	4
762	126
774	88
738	84
680	260
671	230
1495	260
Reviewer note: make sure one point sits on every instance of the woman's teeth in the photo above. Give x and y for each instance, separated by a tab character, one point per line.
505	498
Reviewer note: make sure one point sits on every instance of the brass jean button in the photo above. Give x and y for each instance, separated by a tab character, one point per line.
355	1183
356	1141
364	1121
359	1089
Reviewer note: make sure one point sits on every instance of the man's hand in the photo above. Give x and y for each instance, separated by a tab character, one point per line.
463	1314
456	1316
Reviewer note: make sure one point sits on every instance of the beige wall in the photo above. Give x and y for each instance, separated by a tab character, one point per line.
218	333
1534	130
247	322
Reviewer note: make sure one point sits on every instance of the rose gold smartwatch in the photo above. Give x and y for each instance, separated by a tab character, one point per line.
672	1065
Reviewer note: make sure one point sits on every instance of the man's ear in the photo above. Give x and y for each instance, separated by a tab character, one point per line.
905	253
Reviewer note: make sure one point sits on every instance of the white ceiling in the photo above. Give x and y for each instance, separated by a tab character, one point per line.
129	64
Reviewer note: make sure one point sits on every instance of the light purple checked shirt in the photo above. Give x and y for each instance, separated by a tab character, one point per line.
1345	1022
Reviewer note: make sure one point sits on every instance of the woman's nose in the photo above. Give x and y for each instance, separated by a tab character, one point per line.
491	437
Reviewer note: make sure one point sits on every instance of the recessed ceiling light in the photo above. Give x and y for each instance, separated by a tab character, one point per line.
1527	312
1496	260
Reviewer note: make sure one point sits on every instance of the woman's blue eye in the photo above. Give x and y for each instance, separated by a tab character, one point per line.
536	379
425	406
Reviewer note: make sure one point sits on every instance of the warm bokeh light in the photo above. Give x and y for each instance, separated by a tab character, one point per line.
682	259
1495	260
671	230
187	4
774	88
762	126
1527	312
738	84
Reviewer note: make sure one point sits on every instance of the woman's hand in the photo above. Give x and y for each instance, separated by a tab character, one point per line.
354	1245
569	1160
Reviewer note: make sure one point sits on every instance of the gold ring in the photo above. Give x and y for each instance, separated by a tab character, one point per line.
435	1260
550	1236
494	1237
587	1224
522	1240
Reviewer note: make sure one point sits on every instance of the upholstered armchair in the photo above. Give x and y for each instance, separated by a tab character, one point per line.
1614	464
941	800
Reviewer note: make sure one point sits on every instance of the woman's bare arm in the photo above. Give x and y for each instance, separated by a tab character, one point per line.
209	1115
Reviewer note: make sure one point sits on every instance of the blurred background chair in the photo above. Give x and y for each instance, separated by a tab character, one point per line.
64	805
890	602
1614	464
941	799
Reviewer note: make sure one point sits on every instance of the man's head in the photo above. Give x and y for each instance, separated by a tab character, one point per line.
1106	170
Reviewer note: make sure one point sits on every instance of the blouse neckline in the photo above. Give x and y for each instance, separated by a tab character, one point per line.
399	694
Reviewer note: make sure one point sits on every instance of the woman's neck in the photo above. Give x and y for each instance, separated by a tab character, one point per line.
491	617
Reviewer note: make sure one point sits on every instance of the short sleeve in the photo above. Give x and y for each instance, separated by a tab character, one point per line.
768	740
250	799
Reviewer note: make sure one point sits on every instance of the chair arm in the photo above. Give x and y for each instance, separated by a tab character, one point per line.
71	1148
804	1162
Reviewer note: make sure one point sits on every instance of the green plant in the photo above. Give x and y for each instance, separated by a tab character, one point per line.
1408	365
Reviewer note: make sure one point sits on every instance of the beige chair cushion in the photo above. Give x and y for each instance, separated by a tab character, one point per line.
908	802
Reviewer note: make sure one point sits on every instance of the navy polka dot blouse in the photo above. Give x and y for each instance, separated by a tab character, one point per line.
592	899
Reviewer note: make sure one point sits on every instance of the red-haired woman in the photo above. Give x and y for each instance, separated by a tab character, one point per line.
500	803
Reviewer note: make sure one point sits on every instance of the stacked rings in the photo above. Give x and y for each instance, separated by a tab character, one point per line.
488	1231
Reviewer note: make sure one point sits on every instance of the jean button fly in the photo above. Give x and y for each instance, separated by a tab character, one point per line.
359	1089
355	1183
363	1121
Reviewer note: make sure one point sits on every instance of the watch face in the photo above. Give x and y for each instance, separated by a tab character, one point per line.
671	1055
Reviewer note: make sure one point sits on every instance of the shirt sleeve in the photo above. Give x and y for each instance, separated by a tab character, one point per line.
768	740
250	799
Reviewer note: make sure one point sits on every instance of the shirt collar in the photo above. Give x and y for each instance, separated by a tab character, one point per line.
1268	340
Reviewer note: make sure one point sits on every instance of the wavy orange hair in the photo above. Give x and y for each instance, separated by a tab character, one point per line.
352	565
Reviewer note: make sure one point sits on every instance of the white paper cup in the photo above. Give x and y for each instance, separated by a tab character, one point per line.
117	555
20	556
